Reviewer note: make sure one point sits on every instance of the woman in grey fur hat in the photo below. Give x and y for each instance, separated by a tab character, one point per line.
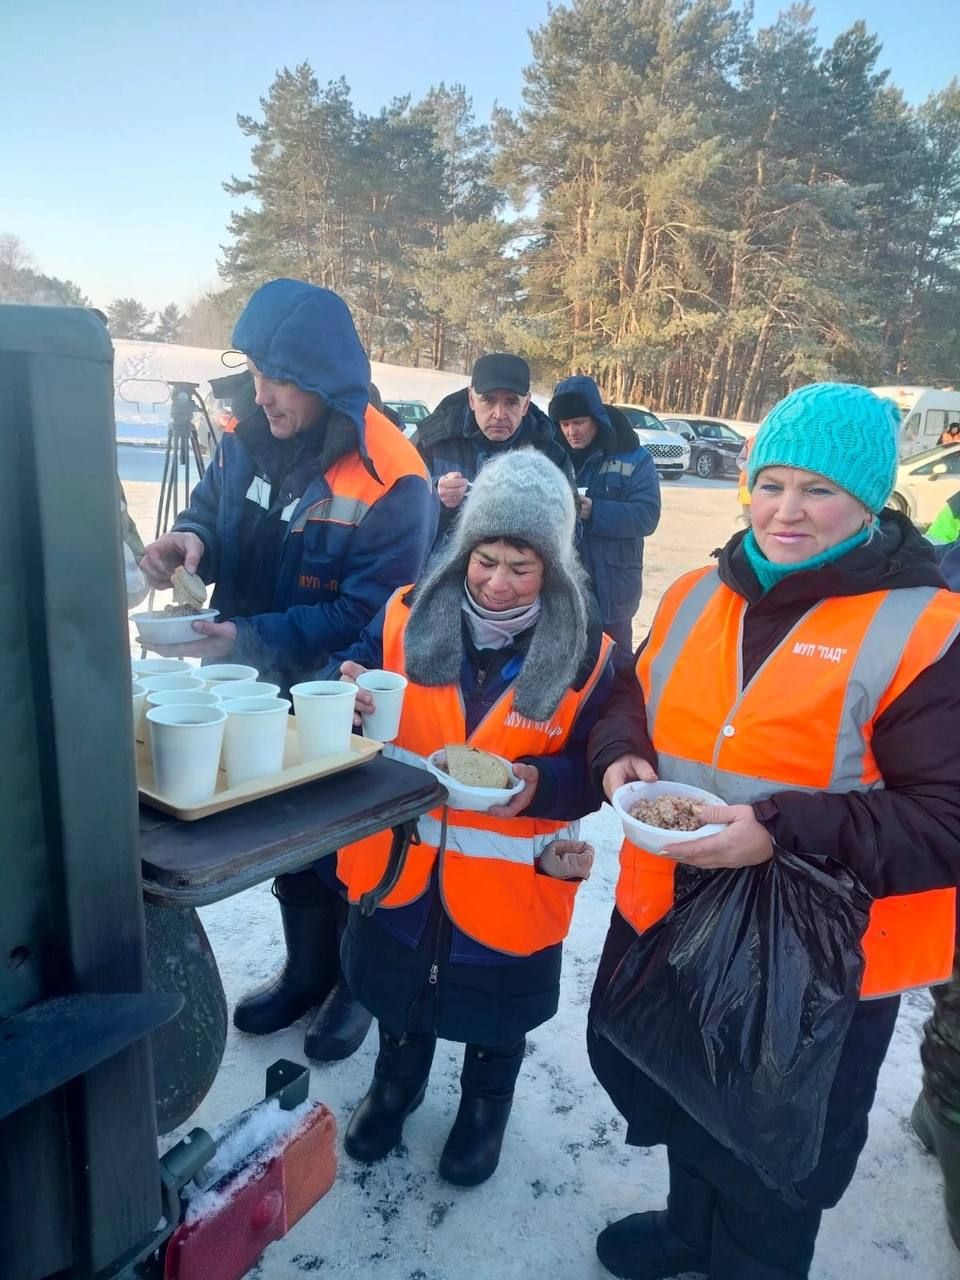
501	653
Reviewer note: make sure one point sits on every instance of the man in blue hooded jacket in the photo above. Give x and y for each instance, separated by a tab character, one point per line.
314	510
619	499
312	513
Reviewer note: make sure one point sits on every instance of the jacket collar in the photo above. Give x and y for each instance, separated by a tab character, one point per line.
896	556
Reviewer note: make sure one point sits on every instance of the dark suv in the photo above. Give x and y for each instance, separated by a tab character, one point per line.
713	445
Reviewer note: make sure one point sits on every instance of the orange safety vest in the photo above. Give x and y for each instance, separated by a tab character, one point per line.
353	489
804	722
490	886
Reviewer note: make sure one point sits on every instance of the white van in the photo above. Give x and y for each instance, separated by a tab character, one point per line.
932	414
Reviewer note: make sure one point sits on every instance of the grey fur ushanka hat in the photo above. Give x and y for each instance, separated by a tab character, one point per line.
519	495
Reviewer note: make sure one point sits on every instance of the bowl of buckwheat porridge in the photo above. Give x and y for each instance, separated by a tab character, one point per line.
656	815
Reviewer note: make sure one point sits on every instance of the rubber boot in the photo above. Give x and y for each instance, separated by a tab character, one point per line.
729	1260
942	1137
340	1025
472	1150
399	1083
307	912
670	1242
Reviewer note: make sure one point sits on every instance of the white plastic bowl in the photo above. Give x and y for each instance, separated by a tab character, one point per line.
475	799
656	839
153	628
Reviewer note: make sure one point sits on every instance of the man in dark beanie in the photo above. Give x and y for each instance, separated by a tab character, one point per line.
468	428
619	499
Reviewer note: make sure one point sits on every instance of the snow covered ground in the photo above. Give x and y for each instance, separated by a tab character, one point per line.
565	1171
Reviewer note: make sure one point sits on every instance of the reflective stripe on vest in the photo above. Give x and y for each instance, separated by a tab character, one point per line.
489	881
847	659
353	489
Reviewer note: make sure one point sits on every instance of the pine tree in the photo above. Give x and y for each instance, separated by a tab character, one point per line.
128	318
169	324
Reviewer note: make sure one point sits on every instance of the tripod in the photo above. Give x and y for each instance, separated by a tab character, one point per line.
183	447
183	452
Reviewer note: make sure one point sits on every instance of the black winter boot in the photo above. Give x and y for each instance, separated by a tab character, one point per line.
672	1242
307	912
789	1253
340	1025
941	1135
472	1149
399	1083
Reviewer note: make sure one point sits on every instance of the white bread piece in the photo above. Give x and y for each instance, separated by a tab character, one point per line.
188	588
475	768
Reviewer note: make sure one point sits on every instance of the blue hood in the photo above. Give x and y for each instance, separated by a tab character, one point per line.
578	396
297	332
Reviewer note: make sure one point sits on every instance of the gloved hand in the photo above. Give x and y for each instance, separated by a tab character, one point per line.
567	860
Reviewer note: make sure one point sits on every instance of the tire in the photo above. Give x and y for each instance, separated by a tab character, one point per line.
670	475
899	503
705	466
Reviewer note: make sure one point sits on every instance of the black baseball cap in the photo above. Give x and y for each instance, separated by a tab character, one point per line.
501	372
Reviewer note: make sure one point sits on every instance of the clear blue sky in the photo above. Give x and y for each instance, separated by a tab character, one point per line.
119	118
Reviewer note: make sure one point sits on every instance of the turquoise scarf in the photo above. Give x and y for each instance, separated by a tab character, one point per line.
769	574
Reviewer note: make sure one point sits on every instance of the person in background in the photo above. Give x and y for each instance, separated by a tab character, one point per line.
743	486
312	512
936	1114
619	493
493	415
390	414
829	611
501	653
946	527
951	434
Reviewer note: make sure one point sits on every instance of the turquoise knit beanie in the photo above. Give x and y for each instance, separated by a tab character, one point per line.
840	431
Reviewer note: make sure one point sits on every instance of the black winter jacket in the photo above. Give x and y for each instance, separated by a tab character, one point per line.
904	838
450	440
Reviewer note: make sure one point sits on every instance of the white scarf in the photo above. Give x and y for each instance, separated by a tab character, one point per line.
496	628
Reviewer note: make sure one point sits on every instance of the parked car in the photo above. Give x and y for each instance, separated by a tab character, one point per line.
670	452
926	481
411	411
713	445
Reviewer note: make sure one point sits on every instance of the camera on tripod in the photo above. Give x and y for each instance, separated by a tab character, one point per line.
184	452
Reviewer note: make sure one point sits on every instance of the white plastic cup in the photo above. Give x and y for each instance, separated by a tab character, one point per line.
217	672
185	741
175	698
387	687
254	737
160	667
229	689
139	694
153	684
324	711
183	697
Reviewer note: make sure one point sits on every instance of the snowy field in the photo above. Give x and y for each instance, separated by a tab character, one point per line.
565	1171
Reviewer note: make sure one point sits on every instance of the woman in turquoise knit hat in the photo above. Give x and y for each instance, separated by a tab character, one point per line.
811	679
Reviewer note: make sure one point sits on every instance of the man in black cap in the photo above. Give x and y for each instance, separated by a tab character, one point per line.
487	418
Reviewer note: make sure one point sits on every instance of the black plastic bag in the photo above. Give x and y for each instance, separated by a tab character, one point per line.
738	1001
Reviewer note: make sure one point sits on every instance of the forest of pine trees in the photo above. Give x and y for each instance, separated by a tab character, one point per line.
700	216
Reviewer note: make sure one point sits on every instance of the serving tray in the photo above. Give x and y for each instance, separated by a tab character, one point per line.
292	774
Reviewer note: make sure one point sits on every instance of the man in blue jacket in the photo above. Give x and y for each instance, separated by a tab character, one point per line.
619	499
314	510
312	513
494	415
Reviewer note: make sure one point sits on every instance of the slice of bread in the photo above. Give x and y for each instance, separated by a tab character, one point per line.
188	588
476	768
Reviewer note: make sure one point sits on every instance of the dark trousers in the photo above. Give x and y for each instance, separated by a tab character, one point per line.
752	1223
622	632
